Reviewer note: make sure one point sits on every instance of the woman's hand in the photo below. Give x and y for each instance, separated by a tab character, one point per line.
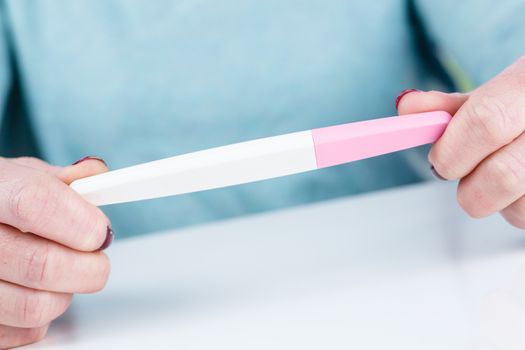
484	145
50	241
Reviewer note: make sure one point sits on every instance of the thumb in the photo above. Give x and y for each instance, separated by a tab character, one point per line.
415	101
84	167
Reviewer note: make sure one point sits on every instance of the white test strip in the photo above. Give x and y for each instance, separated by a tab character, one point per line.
213	168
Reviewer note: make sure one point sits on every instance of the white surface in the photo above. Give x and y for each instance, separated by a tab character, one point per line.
230	165
401	269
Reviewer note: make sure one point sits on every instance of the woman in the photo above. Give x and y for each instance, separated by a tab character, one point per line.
136	81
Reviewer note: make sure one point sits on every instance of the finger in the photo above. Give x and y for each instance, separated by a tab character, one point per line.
84	167
425	101
87	166
35	163
40	203
34	262
514	214
11	337
496	183
30	308
491	118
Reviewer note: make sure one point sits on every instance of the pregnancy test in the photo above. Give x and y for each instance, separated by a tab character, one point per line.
262	159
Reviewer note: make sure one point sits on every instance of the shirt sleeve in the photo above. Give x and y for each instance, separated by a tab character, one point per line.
480	37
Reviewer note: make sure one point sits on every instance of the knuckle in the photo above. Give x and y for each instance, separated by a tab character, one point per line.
34	309
36	264
31	203
504	175
489	118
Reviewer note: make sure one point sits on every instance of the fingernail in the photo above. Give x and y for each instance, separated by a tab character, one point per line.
436	174
90	157
402	94
108	240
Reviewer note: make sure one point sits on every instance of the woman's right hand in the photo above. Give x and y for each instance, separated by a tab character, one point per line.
50	242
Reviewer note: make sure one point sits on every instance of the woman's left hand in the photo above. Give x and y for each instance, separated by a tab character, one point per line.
484	145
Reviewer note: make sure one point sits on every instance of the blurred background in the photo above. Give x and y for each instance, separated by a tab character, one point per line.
133	81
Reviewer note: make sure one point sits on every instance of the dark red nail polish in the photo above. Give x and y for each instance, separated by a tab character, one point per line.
402	94
90	157
436	174
109	239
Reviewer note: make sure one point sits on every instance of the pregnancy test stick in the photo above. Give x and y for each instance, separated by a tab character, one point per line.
264	158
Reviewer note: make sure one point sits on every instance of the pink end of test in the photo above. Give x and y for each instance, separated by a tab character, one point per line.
349	142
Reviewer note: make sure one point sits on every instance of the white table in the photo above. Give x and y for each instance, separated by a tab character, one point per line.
399	269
